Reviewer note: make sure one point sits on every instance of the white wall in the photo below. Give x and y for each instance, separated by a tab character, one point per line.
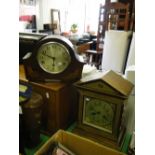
63	6
27	10
71	11
39	14
43	10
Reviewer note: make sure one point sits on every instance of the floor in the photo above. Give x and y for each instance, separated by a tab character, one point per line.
43	139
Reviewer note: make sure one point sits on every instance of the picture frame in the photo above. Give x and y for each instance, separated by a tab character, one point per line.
55	21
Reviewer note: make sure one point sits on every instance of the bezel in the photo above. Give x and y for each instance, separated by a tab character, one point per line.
60	45
95	124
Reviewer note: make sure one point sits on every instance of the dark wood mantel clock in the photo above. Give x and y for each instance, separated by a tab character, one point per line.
101	102
53	59
51	68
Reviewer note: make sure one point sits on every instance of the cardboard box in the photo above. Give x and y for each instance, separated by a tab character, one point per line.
77	144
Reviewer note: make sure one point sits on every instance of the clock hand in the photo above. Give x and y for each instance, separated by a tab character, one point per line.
49	56
53	58
53	64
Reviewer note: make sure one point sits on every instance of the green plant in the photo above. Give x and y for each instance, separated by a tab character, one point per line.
74	27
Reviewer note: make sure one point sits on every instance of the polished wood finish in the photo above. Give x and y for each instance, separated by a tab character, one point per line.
117	16
60	103
108	87
71	74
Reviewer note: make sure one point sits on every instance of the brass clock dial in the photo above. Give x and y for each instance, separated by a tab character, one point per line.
98	113
53	57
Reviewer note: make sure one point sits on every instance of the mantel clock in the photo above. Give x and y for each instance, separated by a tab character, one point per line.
53	59
101	102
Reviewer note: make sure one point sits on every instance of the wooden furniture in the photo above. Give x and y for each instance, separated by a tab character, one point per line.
59	103
132	16
94	57
83	47
117	16
111	16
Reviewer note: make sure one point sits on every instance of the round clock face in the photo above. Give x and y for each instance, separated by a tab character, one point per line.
53	57
98	113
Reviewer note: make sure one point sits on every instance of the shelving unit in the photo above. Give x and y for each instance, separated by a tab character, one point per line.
112	16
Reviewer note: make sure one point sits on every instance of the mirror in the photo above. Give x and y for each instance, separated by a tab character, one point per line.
55	21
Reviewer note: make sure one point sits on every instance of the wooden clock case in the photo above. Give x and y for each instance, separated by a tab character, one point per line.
109	87
71	74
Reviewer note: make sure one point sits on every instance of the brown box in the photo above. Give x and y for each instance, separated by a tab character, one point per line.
77	144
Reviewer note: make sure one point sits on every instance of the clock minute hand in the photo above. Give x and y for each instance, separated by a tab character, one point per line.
49	56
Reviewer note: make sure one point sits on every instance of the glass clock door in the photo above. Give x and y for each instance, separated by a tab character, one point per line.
98	113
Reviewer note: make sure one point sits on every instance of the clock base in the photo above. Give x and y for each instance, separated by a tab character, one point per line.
97	138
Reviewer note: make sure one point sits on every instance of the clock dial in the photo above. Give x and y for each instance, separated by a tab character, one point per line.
53	57
98	113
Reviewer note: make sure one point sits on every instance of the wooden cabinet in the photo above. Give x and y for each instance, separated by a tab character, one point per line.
60	103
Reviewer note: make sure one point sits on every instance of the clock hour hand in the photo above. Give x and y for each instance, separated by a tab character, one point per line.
53	58
49	56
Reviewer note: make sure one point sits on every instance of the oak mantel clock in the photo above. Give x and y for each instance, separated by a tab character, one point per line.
53	59
101	102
